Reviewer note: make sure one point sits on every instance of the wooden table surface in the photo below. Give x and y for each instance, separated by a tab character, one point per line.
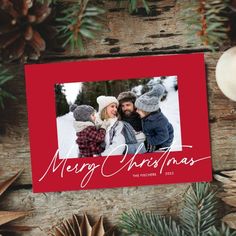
123	35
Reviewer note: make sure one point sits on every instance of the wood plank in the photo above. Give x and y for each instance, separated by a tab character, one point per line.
122	34
50	208
222	117
160	33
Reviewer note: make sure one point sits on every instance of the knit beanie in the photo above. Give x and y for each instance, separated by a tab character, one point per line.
149	101
82	112
104	101
126	96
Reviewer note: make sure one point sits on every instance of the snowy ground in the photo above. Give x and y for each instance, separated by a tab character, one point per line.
66	136
170	107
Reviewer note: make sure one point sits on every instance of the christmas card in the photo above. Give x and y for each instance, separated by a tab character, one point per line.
118	122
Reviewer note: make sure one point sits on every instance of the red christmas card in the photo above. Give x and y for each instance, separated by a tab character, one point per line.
118	122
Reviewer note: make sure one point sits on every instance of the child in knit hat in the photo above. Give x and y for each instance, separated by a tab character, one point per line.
90	139
158	130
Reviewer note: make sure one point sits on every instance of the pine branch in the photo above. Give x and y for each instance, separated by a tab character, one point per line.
79	22
132	5
200	210
198	217
207	20
5	76
223	231
48	1
148	224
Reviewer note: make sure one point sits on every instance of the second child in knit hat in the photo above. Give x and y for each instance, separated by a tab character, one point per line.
157	128
90	139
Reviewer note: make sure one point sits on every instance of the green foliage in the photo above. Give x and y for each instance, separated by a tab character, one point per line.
77	22
149	224
5	76
198	217
200	210
223	231
80	20
48	1
91	90
132	5
207	20
62	107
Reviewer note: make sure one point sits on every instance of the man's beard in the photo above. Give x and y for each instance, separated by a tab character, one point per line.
128	113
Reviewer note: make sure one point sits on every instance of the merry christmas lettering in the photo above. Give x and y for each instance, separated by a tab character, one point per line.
61	165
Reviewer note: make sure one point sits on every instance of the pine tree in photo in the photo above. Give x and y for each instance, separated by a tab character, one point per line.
80	98
91	90
62	107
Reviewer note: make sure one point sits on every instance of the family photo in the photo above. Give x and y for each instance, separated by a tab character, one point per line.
118	117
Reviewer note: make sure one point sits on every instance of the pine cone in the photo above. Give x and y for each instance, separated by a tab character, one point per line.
72	227
24	29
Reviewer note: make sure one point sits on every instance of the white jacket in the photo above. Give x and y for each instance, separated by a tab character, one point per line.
118	139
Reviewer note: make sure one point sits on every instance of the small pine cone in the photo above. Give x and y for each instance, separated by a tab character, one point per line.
25	29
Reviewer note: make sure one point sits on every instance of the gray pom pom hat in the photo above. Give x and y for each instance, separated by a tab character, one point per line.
149	102
82	112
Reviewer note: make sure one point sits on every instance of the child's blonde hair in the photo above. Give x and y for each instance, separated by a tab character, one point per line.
145	112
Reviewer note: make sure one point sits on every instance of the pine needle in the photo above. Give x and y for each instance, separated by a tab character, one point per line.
207	20
5	76
198	217
77	22
223	231
149	224
199	213
133	5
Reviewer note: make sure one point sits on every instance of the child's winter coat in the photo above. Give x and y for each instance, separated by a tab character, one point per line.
89	138
158	130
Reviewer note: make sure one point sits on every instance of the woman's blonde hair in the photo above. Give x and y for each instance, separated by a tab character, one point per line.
103	114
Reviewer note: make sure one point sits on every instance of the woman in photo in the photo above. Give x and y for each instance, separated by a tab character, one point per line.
114	139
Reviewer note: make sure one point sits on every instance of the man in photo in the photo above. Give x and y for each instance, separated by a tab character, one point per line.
128	114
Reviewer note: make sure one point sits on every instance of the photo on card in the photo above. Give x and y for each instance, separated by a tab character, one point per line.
76	103
109	123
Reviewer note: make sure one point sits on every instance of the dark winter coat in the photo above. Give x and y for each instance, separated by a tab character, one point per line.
158	130
90	141
134	120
